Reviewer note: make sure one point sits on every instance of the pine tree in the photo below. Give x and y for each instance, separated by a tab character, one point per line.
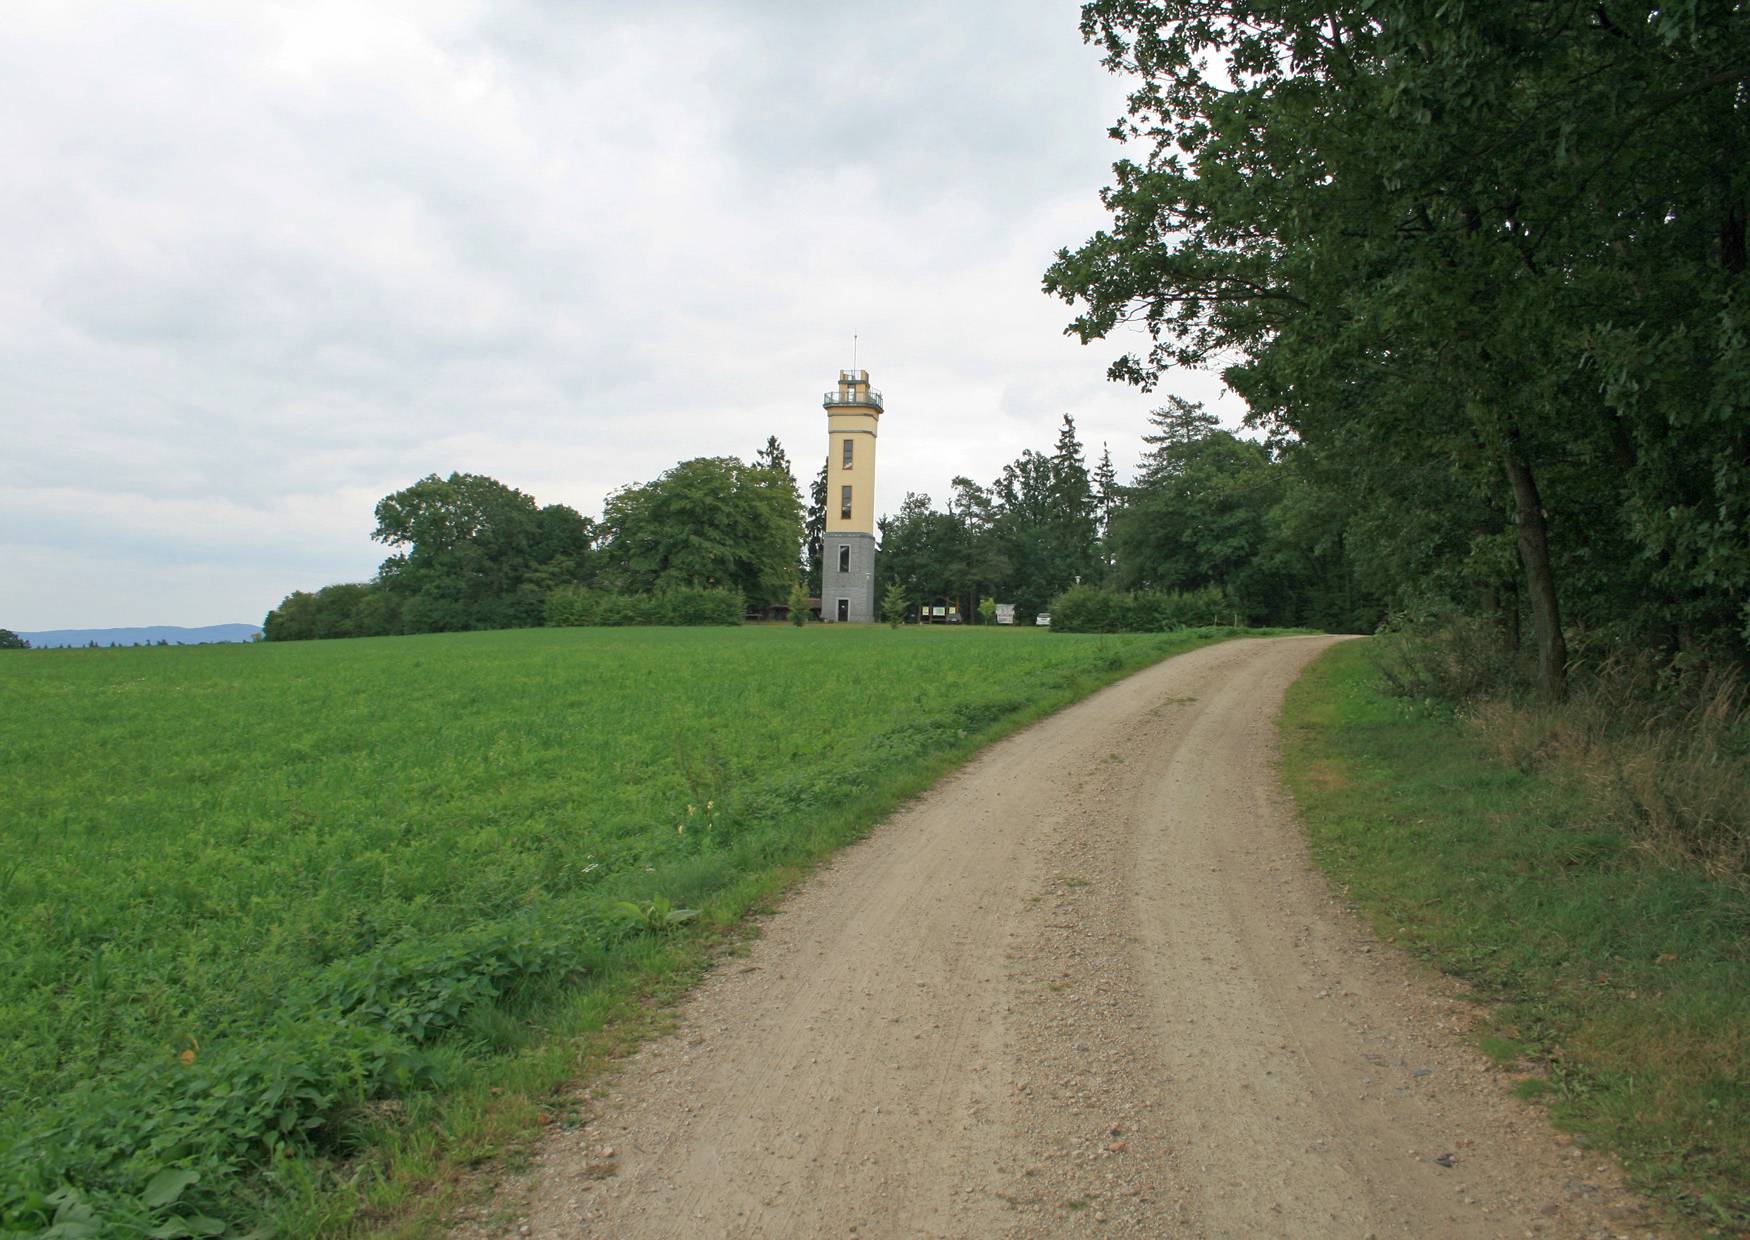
814	530
1178	424
894	604
774	460
773	457
1105	490
1069	468
1073	523
1106	499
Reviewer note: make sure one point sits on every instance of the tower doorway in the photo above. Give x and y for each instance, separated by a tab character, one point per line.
844	610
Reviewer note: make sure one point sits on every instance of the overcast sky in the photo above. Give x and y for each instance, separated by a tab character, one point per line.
265	263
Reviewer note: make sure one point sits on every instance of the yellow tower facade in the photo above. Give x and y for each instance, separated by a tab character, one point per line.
847	579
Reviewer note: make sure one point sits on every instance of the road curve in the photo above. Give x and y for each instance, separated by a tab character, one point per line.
1087	986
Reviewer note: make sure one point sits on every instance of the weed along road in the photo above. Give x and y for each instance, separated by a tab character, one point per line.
1087	986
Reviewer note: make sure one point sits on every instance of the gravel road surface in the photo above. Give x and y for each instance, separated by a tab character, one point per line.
1088	986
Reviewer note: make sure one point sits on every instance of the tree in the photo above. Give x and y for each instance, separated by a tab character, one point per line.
352	609
1205	523
798	605
1022	528
12	641
772	456
1075	527
920	550
711	521
1178	425
474	553
469	553
772	459
894	604
1106	495
1043	529
1502	235
814	529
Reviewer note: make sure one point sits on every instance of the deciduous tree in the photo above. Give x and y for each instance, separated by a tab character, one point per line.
711	521
1505	241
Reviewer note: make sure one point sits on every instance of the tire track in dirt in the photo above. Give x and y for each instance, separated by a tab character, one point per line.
1087	986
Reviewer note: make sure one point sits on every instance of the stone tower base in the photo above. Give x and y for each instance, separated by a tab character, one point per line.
856	585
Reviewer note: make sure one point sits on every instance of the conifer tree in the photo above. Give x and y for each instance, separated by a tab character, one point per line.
1105	499
814	530
1074	526
1105	490
773	459
1177	425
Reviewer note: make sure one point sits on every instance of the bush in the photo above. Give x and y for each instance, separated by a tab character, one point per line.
1434	652
1089	609
578	607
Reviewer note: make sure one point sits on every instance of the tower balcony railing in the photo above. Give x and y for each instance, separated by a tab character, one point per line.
865	396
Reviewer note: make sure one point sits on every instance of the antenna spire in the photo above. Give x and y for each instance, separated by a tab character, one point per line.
853	350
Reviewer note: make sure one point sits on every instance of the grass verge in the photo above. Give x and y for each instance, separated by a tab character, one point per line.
1619	985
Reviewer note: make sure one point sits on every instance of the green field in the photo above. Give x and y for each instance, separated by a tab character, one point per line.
246	891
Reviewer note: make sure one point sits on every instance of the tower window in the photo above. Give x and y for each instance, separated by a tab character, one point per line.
844	558
845	503
848	444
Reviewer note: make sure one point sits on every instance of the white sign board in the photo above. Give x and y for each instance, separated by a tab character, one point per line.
1005	613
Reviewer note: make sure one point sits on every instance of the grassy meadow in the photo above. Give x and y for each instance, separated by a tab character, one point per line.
1618	983
249	893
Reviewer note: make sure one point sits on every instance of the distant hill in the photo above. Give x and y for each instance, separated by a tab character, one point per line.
151	635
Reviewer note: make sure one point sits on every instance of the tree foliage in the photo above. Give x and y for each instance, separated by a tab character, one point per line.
814	531
1496	246
707	522
473	553
894	604
582	607
353	609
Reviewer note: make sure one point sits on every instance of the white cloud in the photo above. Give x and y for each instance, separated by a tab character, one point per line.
268	263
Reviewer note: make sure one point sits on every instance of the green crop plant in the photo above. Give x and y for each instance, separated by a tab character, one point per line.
258	898
655	914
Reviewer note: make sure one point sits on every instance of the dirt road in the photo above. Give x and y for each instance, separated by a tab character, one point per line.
1088	986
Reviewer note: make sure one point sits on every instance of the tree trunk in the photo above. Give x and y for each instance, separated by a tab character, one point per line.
1540	582
1500	603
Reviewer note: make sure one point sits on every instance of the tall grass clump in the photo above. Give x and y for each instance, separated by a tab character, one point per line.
1660	743
1663	749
